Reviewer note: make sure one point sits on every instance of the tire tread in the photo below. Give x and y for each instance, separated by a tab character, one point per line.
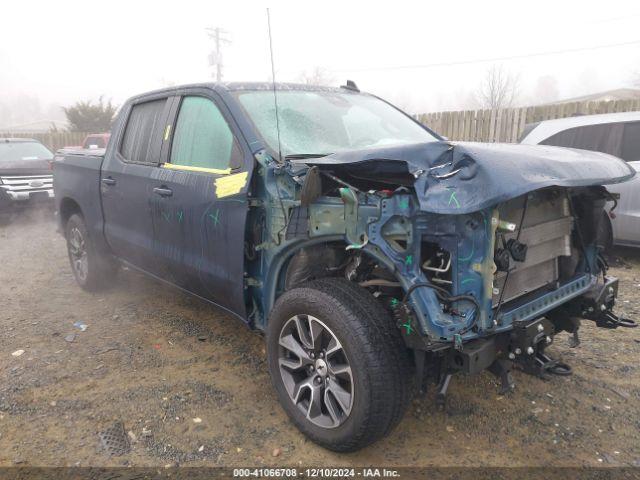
387	389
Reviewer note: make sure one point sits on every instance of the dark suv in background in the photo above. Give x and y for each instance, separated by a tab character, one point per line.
25	175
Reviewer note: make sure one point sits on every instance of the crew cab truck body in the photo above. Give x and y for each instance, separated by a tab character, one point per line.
371	252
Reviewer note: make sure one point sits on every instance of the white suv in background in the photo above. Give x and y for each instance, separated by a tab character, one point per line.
613	133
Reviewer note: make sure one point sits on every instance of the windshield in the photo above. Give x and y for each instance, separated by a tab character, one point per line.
316	122
13	151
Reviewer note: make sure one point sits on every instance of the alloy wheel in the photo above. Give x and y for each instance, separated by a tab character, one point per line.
78	253
315	371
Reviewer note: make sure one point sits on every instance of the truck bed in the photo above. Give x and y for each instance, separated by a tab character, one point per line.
76	175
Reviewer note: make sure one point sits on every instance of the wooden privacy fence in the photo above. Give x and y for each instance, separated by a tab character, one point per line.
53	140
507	124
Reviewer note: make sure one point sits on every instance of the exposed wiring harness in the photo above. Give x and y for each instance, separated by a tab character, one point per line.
444	296
285	216
612	198
506	278
603	264
578	231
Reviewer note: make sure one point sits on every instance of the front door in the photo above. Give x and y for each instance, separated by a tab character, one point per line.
200	202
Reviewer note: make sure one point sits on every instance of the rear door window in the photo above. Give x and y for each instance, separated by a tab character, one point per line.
631	142
606	138
203	139
143	135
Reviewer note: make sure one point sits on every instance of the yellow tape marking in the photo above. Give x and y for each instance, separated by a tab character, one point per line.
231	184
218	171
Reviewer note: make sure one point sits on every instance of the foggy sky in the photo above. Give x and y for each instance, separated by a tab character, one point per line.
61	52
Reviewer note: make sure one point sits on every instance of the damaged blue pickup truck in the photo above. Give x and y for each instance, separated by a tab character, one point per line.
376	256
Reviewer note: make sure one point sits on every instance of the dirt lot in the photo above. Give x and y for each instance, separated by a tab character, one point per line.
157	361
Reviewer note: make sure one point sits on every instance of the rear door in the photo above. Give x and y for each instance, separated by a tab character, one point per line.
126	183
200	202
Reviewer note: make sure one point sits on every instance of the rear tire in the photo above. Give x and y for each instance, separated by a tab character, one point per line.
333	326
91	270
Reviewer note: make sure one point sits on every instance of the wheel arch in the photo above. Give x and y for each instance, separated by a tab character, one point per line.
274	281
68	206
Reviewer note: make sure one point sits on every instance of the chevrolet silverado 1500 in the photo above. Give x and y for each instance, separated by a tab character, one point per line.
373	253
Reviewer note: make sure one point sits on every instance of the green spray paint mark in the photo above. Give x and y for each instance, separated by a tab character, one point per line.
180	215
167	216
470	256
404	203
215	218
409	260
394	302
467	280
408	327
453	199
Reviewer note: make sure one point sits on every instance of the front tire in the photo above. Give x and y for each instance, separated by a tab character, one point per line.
337	363
91	270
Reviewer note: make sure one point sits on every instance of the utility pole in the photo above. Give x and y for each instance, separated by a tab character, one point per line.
215	57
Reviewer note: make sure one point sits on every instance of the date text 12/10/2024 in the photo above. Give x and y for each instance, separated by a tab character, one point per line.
315	473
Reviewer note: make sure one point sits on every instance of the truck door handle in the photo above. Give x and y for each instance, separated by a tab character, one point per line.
108	181
163	191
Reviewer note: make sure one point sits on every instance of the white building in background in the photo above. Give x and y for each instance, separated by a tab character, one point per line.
39	126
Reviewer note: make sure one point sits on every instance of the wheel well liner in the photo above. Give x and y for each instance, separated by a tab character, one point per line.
68	206
277	275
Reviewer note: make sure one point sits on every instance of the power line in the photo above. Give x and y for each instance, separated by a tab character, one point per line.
491	59
615	19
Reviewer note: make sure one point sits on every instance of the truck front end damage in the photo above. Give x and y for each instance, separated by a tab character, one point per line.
481	253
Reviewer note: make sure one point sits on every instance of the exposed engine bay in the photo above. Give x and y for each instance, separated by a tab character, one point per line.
477	274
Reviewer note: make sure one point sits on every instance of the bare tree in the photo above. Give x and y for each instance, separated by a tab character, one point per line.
499	89
316	76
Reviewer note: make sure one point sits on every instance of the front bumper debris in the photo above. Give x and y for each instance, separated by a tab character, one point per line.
598	306
523	345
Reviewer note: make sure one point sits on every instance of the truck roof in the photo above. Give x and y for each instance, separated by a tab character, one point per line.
248	86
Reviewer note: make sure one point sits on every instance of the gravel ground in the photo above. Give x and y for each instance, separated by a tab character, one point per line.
190	383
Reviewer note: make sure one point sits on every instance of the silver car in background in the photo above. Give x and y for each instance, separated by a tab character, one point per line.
613	133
